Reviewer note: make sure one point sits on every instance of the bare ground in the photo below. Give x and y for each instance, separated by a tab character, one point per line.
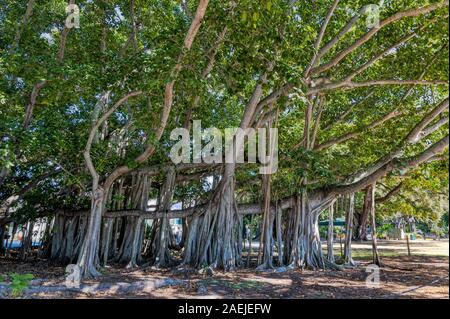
424	275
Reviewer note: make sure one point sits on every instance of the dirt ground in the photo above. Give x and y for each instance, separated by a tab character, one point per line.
423	275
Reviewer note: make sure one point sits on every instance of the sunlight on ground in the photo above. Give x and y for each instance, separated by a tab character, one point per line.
393	248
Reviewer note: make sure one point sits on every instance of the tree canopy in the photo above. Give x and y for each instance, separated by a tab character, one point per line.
356	101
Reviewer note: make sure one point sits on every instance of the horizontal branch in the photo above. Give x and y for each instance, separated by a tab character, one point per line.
95	127
353	85
320	36
417	132
411	138
356	133
349	110
403	165
390	194
366	37
168	94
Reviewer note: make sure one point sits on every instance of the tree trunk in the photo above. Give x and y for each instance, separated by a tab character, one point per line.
131	245
68	239
310	248
376	256
184	232
44	249
349	231
130	248
362	229
89	250
217	233
163	238
265	243
79	238
2	238
9	246
288	234
190	244
135	259
297	211
115	237
57	236
250	245
278	222
305	246
106	240
27	241
330	234
239	243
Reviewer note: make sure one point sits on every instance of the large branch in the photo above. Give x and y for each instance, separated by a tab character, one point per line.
433	128
254	102
40	85
356	133
94	129
243	209
353	85
390	194
341	33
372	92
380	56
403	165
320	37
11	200
168	93
412	137
30	106
417	132
366	37
425	70
325	194
132	38
272	98
20	26
62	44
317	120
209	66
344	115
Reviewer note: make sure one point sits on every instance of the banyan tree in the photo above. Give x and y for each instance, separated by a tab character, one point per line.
357	92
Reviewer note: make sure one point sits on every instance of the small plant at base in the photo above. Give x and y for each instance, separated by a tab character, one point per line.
204	270
104	271
19	282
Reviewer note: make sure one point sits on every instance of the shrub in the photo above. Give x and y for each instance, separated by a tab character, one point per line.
19	282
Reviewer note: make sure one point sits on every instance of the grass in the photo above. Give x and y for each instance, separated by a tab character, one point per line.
19	282
366	254
104	271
